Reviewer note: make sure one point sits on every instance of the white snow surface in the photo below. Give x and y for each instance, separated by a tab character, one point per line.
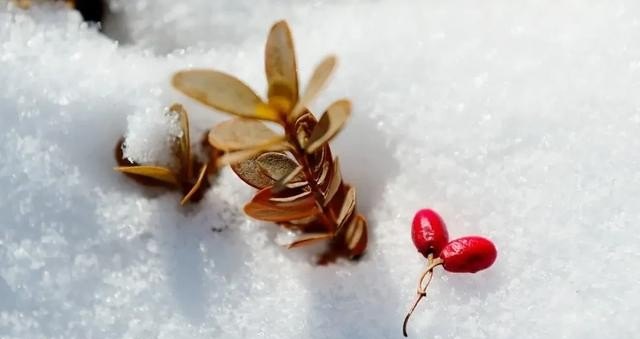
516	120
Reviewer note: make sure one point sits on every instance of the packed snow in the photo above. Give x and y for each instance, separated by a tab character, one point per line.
516	120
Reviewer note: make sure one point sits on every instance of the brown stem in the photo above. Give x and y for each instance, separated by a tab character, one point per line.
422	288
301	157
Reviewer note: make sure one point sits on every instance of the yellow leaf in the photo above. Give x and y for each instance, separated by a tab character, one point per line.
154	172
280	63
220	91
239	134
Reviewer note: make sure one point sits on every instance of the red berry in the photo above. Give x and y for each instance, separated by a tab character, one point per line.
429	233
468	254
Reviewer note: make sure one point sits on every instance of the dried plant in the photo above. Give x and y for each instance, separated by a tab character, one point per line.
300	184
183	178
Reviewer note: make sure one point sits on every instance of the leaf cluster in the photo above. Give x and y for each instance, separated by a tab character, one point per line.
186	179
300	184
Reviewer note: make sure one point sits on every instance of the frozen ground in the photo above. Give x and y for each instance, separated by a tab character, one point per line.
519	120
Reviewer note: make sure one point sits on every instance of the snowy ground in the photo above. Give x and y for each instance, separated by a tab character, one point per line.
518	120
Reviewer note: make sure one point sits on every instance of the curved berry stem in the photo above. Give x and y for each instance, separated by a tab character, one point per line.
422	288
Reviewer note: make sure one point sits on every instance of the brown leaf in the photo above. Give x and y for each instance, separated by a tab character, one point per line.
280	64
356	236
329	125
308	239
184	142
321	74
249	171
238	156
334	182
288	180
278	165
223	92
201	175
348	206
239	134
154	172
322	177
264	206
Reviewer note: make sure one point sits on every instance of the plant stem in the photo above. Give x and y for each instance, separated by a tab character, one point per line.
302	158
422	291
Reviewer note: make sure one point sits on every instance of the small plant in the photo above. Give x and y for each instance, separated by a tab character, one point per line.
184	178
300	183
463	255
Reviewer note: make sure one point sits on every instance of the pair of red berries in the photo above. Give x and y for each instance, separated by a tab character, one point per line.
463	255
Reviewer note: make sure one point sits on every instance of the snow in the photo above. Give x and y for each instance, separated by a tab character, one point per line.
517	120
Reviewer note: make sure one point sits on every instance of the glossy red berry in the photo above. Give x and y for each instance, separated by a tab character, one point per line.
429	232
468	254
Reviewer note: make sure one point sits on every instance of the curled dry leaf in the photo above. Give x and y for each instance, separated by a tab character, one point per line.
329	125
183	179
300	184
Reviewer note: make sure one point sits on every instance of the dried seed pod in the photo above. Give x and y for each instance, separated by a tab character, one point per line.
185	179
300	183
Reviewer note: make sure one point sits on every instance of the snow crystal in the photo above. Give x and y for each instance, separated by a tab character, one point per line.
516	120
